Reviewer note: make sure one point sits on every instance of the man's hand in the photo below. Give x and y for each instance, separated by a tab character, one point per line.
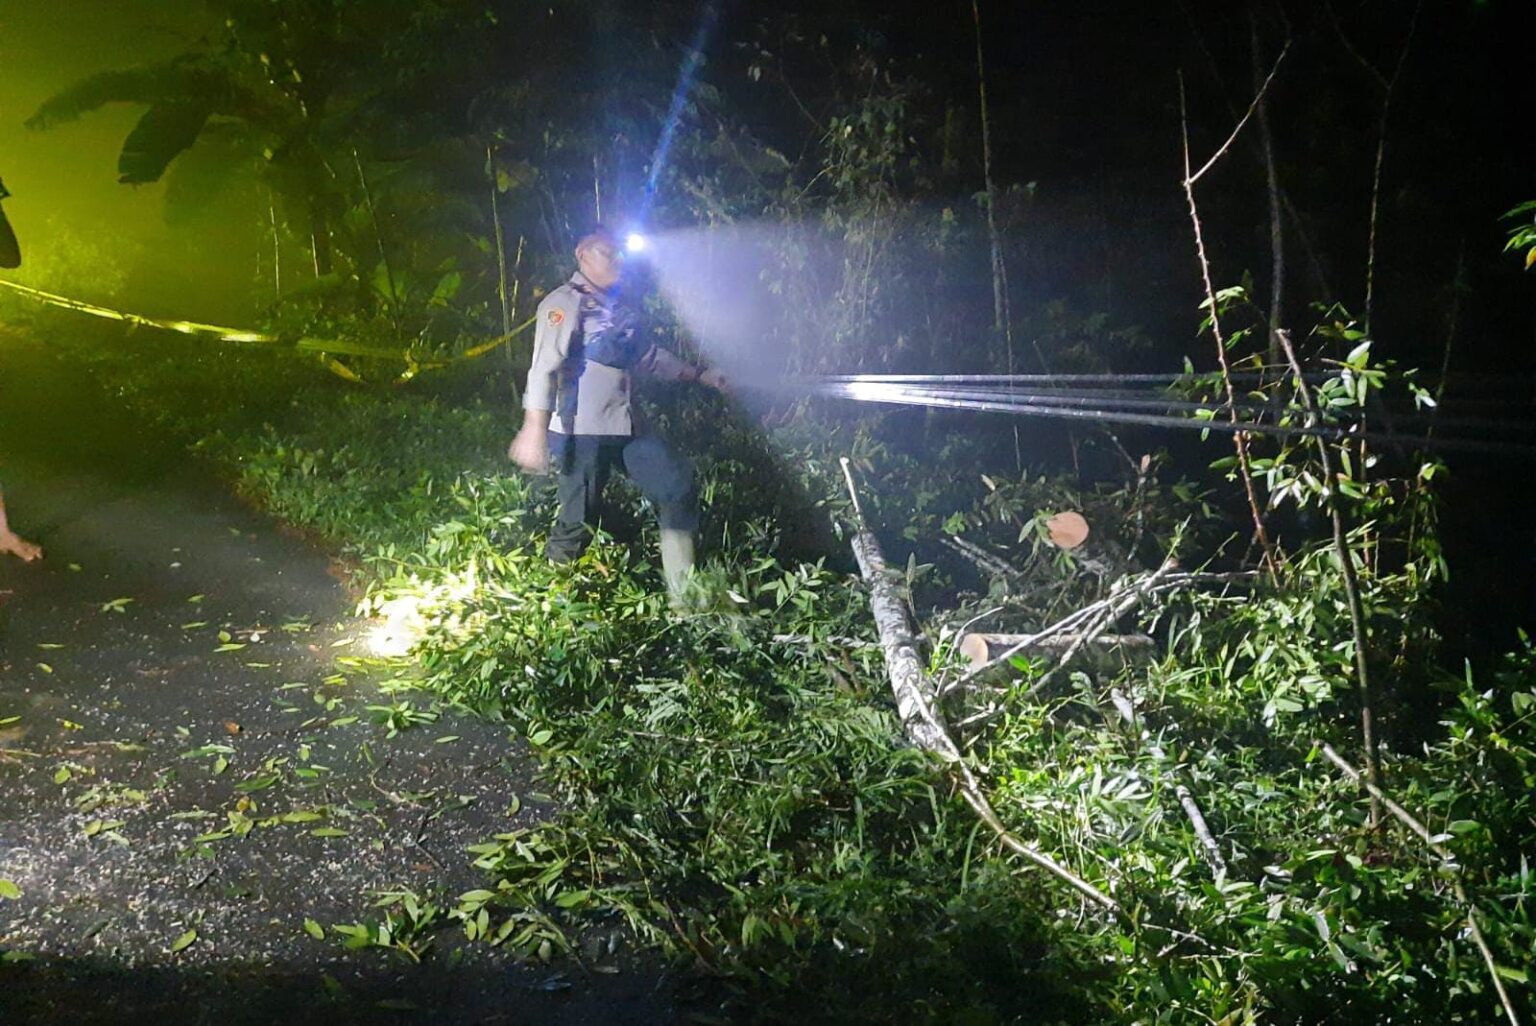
530	449
716	380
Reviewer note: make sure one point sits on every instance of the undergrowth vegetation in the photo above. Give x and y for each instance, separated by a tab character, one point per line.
737	789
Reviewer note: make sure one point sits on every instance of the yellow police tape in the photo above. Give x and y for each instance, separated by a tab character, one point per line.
325	349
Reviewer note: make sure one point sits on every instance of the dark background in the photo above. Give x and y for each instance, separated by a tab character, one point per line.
1086	123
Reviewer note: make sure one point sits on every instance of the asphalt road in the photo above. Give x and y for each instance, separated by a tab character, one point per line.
186	748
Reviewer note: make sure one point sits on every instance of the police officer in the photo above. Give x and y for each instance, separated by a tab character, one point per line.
588	343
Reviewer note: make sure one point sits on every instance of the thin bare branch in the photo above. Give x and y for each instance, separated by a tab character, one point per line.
1221	151
1239	438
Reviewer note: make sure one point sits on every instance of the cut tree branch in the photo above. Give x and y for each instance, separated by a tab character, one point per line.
922	721
1412	823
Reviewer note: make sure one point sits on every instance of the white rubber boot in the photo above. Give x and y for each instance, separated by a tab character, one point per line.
677	567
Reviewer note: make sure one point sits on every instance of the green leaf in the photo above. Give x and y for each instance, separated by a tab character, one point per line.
184	941
165	131
8	889
479	896
314	929
447	287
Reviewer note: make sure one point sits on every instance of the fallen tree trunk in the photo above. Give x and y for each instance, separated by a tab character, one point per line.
915	698
919	714
920	717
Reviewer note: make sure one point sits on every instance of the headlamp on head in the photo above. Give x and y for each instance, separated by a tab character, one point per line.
635	242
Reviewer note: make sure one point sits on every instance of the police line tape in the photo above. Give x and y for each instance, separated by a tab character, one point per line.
325	349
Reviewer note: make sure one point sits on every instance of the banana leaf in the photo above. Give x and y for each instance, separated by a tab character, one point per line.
165	130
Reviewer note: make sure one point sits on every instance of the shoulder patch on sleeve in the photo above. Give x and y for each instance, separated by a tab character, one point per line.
556	316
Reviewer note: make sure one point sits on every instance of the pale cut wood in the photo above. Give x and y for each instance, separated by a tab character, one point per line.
1067	530
982	648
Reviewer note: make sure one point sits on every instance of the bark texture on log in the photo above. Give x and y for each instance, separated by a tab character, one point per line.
919	715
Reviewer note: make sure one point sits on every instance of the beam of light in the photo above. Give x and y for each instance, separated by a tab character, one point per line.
874	387
1050	379
721	282
900	395
685	77
634	242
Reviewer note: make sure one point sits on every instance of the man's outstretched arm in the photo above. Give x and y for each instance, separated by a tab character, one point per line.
667	365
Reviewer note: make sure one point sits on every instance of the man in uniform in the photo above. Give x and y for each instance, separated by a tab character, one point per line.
587	345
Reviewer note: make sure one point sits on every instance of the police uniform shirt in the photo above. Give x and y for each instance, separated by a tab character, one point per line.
577	322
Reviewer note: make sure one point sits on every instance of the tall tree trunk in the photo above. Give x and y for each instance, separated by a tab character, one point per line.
1002	320
319	237
277	247
501	246
378	238
1272	188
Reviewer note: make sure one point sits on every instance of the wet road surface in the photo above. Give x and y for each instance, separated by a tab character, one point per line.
186	748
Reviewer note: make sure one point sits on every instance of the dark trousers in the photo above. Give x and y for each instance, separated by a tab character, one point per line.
583	464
